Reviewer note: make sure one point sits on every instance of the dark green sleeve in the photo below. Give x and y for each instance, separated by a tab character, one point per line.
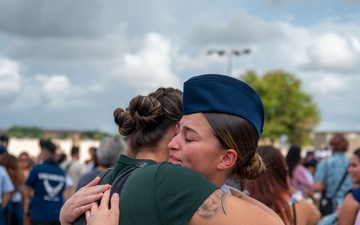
179	193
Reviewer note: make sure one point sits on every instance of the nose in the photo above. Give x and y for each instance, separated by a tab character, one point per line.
174	144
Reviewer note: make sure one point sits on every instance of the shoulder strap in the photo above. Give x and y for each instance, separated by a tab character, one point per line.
105	175
294	212
341	182
116	186
119	183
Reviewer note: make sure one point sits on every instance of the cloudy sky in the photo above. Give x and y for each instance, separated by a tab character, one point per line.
68	64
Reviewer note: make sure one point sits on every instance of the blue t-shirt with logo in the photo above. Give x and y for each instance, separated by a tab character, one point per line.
48	182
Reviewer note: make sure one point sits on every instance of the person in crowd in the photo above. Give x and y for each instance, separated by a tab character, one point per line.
60	157
310	163
6	189
15	206
92	162
329	172
301	178
274	190
47	183
3	151
175	185
4	140
349	214
25	163
74	168
310	157
110	148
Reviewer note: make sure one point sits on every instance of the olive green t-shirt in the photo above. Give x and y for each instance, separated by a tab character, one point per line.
160	193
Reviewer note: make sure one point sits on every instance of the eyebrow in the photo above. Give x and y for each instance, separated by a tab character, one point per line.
188	129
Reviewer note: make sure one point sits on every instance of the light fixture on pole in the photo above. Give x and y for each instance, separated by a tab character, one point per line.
229	54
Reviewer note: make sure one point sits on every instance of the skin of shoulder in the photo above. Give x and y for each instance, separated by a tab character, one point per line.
237	193
307	213
222	208
348	211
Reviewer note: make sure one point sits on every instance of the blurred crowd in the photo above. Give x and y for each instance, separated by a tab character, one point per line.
301	187
33	189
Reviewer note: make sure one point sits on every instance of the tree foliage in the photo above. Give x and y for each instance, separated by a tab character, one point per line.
36	132
30	132
288	110
96	135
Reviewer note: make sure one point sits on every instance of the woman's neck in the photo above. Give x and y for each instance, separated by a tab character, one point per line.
218	179
157	157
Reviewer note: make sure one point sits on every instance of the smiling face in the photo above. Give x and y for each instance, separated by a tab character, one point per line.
195	146
354	169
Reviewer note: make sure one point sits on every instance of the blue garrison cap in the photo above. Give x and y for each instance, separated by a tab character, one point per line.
224	94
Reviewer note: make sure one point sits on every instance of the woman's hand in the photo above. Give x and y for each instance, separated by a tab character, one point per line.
97	214
82	201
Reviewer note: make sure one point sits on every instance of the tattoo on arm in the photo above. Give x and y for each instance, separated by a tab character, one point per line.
211	205
240	195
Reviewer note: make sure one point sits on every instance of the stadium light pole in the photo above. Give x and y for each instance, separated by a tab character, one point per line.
229	54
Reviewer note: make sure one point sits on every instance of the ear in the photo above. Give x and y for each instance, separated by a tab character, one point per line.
228	159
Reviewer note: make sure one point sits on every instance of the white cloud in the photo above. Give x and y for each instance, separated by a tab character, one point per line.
9	77
74	53
55	88
355	43
51	92
329	85
150	67
331	51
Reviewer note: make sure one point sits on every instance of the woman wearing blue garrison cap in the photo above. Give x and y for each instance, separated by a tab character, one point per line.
223	118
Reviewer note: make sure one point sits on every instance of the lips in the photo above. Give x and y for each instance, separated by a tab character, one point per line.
174	159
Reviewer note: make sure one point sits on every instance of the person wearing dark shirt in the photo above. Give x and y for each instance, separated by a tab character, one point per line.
47	182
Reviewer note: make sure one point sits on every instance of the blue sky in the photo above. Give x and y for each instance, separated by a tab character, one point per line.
68	64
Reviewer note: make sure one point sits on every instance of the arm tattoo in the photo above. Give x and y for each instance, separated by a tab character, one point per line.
210	206
221	196
240	195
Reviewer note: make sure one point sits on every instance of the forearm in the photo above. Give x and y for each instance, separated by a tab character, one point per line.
26	197
5	199
318	186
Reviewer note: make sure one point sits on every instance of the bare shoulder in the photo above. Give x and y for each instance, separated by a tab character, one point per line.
349	210
222	208
308	206
308	212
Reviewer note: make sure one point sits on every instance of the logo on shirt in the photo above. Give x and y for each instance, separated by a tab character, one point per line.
52	191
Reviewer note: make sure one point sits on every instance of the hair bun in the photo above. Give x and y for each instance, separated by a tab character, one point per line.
146	111
123	119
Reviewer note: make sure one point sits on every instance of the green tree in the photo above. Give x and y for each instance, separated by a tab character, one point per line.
288	110
30	132
97	135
